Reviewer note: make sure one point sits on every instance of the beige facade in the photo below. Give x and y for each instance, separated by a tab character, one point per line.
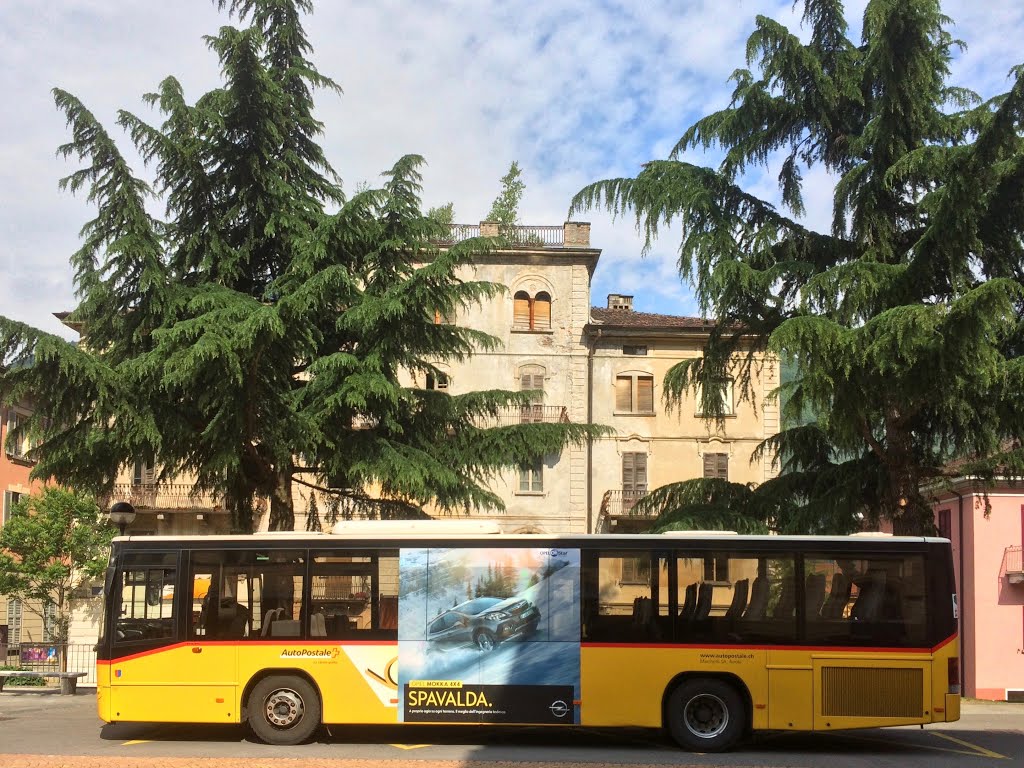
606	366
655	444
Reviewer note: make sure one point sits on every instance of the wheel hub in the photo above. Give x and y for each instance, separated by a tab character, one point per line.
706	716
283	708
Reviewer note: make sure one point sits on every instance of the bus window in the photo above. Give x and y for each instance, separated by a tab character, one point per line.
354	595
247	594
632	598
725	597
147	597
865	600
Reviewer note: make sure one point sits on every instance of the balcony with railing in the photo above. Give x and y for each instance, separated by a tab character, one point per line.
1012	559
572	234
164	496
527	414
618	514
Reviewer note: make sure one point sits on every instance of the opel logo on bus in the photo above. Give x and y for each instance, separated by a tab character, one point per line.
559	708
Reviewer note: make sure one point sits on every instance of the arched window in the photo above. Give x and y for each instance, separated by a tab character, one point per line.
531	313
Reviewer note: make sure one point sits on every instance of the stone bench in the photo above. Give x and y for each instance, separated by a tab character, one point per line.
68	680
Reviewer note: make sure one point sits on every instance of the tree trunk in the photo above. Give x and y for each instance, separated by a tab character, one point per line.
282	511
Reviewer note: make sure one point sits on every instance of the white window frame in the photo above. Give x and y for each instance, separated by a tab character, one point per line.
532	477
634	405
14	618
24	447
727	399
10	499
49	622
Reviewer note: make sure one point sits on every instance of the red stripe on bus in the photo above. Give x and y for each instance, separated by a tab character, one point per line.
814	648
246	644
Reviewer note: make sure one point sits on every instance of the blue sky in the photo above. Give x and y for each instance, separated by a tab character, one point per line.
574	91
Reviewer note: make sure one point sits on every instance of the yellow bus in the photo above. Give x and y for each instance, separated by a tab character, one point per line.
710	636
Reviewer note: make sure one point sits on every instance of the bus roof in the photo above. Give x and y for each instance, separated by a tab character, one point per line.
395	533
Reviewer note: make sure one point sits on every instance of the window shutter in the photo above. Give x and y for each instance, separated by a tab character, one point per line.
624	394
634	472
709	465
716	465
640	472
542	311
727	397
645	394
521	311
144	474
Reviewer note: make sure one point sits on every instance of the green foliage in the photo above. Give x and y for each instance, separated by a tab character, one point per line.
52	544
258	334
444	215
26	682
903	322
505	208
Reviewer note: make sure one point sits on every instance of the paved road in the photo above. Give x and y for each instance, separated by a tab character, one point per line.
43	730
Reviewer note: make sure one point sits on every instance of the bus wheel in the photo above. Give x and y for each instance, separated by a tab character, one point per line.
485	640
706	715
283	710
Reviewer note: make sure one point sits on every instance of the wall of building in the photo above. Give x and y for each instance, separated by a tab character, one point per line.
560	350
991	607
675	439
14	479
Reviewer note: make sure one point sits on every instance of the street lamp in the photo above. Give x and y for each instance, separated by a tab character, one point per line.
121	514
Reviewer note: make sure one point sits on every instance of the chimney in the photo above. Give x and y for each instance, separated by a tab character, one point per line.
619	301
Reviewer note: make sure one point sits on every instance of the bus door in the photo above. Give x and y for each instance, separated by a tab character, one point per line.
217	616
145	633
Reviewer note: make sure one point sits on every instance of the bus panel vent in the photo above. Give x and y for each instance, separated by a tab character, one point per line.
871	692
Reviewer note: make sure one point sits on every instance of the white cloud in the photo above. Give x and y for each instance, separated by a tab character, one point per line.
575	91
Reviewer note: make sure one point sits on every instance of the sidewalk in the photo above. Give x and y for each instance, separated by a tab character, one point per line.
986	707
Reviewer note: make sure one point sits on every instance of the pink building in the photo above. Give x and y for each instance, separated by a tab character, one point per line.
987	542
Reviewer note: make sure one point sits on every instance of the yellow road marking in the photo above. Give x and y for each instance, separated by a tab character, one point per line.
410	746
979	749
906	745
135	741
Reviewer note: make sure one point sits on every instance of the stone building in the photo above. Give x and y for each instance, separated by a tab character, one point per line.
603	365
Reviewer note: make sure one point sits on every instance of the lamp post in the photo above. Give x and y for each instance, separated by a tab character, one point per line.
121	514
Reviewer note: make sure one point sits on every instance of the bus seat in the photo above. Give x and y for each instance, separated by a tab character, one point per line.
838	597
269	618
643	618
285	628
233	620
703	601
317	625
739	599
787	601
758	599
814	593
689	602
870	596
389	611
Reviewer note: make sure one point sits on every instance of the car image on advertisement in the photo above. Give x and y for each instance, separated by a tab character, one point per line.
483	622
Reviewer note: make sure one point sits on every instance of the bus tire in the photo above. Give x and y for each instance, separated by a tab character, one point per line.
283	710
706	715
